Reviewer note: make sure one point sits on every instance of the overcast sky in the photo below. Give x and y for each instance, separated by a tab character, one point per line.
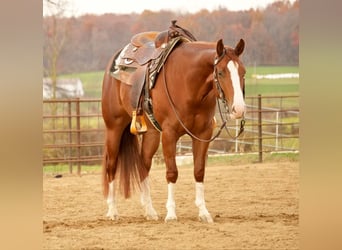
81	7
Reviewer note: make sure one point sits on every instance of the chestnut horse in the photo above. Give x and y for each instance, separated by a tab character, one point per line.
184	100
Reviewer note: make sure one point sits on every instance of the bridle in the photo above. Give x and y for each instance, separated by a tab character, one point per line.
221	97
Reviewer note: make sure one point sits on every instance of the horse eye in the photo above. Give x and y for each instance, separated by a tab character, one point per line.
220	73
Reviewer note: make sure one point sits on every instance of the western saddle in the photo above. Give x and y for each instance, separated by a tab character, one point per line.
138	64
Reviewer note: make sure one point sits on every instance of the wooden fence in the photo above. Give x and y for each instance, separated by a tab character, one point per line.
73	130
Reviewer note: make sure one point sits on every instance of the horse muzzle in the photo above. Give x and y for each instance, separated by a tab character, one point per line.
237	112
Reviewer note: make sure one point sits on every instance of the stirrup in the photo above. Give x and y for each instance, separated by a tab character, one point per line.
138	124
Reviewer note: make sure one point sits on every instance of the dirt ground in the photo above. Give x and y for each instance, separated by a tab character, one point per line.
254	206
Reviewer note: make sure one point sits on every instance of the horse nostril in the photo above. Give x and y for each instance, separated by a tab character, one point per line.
238	110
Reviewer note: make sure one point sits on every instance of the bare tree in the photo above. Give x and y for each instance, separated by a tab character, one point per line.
271	34
56	29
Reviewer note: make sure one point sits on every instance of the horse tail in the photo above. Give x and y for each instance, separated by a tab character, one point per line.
131	170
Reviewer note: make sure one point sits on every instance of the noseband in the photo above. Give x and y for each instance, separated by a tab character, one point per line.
221	97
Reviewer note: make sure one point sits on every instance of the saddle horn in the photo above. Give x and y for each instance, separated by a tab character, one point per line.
176	30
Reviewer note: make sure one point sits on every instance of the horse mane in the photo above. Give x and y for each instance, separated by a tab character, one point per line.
210	45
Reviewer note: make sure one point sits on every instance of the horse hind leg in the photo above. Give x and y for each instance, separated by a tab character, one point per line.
150	145
108	174
112	212
112	209
146	201
169	140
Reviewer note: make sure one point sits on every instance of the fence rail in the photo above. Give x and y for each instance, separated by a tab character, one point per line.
73	130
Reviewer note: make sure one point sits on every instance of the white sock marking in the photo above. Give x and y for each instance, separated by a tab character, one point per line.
171	204
112	210
200	203
146	201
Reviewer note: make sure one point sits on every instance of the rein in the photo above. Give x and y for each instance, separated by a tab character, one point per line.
242	122
180	121
221	98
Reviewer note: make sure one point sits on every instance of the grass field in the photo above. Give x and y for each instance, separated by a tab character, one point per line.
286	86
231	160
92	82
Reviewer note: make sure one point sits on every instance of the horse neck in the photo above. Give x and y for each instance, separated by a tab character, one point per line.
200	65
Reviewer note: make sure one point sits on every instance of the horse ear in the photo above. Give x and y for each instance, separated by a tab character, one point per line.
219	47
239	47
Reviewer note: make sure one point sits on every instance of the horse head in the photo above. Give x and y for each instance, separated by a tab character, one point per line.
229	73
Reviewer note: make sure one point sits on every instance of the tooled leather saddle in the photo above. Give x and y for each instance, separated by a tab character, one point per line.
138	64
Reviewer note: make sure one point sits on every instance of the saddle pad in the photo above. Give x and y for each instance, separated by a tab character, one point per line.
139	55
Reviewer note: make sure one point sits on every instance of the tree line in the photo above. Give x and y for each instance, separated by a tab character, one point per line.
85	43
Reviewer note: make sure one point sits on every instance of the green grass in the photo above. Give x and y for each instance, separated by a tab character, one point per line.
271	86
271	89
63	169
231	160
262	70
92	82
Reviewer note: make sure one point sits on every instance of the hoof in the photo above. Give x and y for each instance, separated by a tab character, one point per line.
152	217
150	213
206	218
170	218
112	216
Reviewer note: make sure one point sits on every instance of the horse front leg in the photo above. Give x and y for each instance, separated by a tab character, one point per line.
150	144
169	150
200	150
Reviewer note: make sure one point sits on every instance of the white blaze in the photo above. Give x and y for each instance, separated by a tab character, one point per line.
238	103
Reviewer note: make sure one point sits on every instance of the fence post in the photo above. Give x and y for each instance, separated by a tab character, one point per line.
78	124
70	135
277	131
236	135
260	128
